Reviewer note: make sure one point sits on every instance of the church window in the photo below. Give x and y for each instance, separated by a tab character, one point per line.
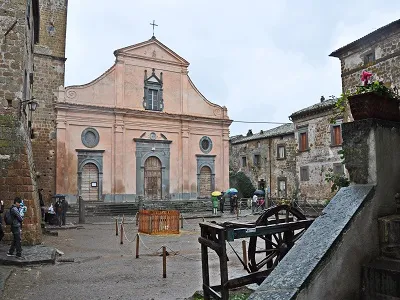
152	100
205	144
153	92
90	137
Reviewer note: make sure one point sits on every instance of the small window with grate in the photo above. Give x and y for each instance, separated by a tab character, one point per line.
244	161
304	173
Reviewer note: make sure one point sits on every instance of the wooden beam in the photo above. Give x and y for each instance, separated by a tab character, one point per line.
256	277
210	244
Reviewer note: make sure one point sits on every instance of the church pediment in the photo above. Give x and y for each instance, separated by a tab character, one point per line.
152	50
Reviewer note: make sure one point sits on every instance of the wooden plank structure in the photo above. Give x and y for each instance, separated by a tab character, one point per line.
279	227
159	221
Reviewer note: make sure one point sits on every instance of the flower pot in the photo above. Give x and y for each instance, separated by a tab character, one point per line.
372	105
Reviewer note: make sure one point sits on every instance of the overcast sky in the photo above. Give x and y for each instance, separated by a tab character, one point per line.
262	59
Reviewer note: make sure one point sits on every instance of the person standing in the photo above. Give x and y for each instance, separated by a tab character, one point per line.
1	227
221	202
16	225
254	203
41	203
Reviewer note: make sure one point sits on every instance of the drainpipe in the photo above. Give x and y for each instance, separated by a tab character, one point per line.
270	169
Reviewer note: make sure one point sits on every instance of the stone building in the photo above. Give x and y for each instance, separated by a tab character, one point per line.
141	129
377	52
290	161
49	59
268	158
318	142
19	20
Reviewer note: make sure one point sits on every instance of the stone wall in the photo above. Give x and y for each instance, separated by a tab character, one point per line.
49	75
270	167
17	170
386	67
319	158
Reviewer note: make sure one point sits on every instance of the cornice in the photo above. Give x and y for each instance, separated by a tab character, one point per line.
138	113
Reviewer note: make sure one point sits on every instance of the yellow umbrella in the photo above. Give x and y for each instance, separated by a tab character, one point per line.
216	193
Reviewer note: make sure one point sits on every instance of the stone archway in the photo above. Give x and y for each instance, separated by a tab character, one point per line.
205	182
153	178
90	182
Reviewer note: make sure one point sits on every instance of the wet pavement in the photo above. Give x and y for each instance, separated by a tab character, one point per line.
95	265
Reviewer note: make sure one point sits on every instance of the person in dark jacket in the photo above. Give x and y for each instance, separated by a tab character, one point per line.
1	227
221	202
16	228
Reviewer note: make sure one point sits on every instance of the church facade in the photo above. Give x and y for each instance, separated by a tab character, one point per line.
141	129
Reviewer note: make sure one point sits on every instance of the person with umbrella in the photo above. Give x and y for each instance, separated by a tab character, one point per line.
258	199
214	199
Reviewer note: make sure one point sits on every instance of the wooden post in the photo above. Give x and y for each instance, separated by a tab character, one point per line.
116	227
204	265
137	245
244	253
164	250
223	265
181	221
122	233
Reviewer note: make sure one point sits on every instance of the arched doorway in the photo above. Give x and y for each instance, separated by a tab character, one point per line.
205	182
152	178
90	182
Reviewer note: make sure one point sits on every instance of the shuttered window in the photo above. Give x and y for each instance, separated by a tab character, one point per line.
304	173
336	135
153	102
303	141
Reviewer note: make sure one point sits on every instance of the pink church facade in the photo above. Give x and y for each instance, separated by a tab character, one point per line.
141	129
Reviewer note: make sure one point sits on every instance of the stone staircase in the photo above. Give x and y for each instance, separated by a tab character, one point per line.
131	208
381	277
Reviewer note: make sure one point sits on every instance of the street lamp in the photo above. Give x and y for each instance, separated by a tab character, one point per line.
32	105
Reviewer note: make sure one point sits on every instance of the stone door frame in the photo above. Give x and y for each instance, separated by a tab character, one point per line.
95	157
208	161
160	149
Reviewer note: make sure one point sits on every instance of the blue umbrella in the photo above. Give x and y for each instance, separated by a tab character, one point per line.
232	191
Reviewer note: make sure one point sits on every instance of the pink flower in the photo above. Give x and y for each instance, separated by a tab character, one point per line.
365	76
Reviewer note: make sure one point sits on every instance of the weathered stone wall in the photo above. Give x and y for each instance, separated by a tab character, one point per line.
386	66
49	75
270	168
17	170
319	158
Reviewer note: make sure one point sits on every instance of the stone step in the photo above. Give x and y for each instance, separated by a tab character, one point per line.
381	279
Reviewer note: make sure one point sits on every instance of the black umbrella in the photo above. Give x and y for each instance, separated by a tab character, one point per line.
259	193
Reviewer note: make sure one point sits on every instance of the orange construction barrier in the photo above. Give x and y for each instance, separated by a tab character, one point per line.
159	221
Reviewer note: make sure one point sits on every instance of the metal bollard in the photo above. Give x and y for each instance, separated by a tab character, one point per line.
164	250
116	227
122	233
137	245
181	221
244	253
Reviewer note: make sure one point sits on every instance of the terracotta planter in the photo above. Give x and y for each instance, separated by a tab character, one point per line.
372	105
